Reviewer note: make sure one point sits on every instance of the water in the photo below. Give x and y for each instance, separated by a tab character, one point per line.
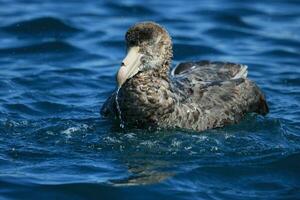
122	124
58	63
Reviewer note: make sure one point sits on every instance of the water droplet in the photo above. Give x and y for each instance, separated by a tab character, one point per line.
122	124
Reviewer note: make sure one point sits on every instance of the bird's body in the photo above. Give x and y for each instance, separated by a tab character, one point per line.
195	96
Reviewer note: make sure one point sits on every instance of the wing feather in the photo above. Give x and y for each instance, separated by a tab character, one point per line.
210	71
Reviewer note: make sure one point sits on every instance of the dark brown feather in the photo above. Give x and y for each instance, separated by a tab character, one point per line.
195	96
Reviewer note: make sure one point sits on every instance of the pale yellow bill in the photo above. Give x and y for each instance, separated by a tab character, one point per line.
130	65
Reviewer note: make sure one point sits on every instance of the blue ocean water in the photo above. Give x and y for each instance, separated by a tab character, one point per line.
57	66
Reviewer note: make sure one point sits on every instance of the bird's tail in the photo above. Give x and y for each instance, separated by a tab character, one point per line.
262	106
257	100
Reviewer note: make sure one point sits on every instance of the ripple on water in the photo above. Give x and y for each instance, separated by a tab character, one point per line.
228	33
57	69
41	48
41	27
227	19
193	51
122	9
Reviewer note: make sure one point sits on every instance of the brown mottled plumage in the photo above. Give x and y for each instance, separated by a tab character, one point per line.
196	95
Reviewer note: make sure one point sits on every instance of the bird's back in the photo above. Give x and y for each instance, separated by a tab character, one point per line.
213	94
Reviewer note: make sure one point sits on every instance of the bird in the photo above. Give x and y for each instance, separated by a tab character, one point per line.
195	95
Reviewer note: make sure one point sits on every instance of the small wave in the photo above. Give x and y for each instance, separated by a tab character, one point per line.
232	20
283	42
289	163
54	190
280	53
45	47
168	20
184	50
291	80
43	109
50	107
227	33
115	44
245	11
5	86
21	108
226	19
123	9
71	71
43	27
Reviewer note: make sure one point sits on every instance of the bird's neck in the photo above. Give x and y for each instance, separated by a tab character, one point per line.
151	78
160	72
147	96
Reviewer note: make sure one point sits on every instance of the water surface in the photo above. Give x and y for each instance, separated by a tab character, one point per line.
57	66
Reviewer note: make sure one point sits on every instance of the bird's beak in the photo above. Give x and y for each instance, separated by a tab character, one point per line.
130	65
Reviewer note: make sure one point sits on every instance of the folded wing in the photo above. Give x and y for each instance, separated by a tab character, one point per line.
210	71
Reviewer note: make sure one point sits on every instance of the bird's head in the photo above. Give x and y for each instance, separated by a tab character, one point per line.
149	47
